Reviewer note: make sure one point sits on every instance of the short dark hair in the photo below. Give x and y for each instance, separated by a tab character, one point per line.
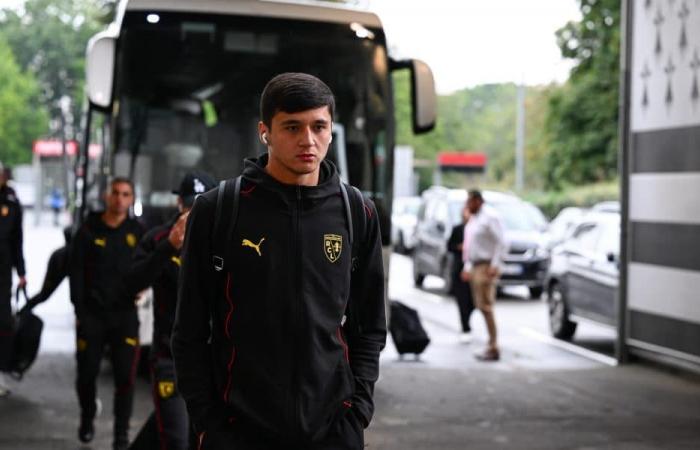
476	194
117	180
293	92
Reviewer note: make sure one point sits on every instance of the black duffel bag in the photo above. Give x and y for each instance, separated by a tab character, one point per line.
406	330
27	337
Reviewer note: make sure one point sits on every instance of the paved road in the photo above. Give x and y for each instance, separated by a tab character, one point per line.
539	396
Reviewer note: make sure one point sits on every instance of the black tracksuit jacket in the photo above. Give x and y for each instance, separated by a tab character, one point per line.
261	342
100	257
156	264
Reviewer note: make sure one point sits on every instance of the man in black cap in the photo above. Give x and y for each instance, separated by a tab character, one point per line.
10	256
156	263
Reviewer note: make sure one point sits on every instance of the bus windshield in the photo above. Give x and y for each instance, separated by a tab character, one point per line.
187	92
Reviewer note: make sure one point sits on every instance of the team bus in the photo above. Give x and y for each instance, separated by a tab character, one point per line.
174	85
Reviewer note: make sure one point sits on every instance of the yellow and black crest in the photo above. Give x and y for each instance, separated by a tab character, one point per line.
4	211
131	240
166	389
332	246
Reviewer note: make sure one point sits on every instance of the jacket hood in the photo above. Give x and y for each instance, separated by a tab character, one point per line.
328	180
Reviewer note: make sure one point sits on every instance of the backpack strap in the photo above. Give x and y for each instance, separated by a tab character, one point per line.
229	193
354	205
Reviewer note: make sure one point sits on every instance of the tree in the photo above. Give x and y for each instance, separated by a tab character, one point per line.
49	39
582	118
21	119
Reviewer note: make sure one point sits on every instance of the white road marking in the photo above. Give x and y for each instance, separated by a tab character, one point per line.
580	351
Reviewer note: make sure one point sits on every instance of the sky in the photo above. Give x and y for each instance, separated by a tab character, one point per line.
472	42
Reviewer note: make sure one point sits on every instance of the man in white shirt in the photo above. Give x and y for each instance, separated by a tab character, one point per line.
483	250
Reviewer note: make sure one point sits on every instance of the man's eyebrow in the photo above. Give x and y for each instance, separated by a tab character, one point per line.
291	122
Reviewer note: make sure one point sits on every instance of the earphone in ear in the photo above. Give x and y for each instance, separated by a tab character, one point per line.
331	139
264	138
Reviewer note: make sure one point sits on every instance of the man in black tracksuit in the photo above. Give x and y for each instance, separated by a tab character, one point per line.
11	255
100	255
157	263
263	355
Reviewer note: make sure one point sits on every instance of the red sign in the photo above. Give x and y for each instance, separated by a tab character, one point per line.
462	159
54	148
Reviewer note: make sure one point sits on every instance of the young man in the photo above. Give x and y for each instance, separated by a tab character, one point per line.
100	255
11	255
483	254
157	263
263	354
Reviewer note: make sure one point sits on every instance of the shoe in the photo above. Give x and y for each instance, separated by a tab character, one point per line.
465	338
120	444
490	354
86	432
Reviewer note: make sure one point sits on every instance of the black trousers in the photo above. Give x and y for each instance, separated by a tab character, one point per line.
346	433
463	294
119	331
6	320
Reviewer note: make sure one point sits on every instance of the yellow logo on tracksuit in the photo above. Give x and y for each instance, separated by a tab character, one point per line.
332	246
256	247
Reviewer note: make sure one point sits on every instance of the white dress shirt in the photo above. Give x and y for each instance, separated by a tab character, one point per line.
483	239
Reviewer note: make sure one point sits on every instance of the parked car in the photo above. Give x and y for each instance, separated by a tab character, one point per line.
561	226
404	218
583	276
524	224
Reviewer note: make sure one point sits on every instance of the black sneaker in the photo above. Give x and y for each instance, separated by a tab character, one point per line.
86	432
120	443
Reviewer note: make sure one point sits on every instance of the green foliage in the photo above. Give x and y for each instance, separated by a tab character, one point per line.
21	120
479	119
49	39
552	202
582	119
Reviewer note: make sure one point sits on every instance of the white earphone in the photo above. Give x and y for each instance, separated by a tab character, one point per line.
264	138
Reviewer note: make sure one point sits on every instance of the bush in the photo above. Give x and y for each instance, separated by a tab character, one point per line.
582	196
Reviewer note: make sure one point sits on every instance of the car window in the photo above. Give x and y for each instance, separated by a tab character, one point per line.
430	210
609	241
586	236
516	216
441	213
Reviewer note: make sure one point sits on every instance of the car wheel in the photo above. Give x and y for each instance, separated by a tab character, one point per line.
560	325
536	292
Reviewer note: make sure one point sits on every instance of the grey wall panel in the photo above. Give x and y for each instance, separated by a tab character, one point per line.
671	150
665	332
666	244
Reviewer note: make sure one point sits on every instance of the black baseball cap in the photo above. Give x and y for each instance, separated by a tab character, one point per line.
194	184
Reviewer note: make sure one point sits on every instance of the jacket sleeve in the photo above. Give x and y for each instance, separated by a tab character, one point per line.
366	334
17	240
76	270
148	262
192	329
56	271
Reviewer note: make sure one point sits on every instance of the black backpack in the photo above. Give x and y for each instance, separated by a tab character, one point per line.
229	194
25	344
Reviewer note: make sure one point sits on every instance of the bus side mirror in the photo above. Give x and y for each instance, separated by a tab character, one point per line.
99	68
423	96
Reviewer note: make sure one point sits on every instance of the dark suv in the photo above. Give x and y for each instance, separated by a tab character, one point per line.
583	277
527	260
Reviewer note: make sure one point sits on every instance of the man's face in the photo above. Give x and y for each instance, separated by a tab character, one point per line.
119	198
298	142
474	204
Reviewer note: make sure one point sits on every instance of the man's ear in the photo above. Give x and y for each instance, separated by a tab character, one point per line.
263	133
